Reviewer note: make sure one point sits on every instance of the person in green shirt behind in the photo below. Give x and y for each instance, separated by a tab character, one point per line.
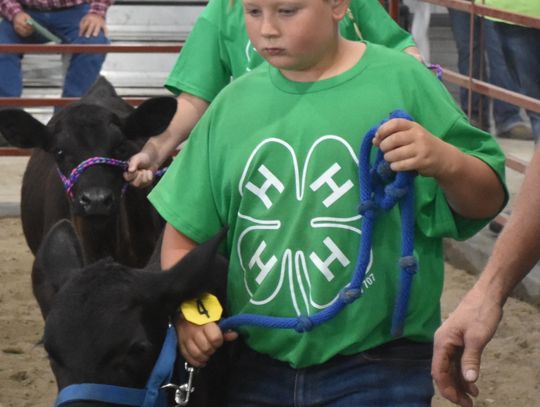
521	50
275	158
218	50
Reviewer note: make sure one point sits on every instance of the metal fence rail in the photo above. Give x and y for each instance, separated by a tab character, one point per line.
475	7
90	48
77	48
468	82
25	102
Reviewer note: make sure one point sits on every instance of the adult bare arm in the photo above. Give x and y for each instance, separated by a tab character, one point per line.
461	339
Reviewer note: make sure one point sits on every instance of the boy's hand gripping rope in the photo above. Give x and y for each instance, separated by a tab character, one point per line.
380	188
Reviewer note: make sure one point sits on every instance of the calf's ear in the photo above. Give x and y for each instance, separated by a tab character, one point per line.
102	93
58	258
21	130
201	270
151	118
100	89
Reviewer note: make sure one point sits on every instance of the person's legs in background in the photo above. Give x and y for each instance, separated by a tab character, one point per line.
508	121
521	49
460	22
10	64
83	68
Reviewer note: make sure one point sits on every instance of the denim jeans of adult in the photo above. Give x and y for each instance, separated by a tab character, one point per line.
505	115
83	68
393	375
521	48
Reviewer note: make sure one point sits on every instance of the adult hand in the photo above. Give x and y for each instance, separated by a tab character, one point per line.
21	26
91	24
459	343
199	342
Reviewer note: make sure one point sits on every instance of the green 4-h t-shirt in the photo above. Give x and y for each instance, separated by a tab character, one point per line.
277	161
219	48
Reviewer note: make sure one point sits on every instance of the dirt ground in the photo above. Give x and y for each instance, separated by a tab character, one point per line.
511	366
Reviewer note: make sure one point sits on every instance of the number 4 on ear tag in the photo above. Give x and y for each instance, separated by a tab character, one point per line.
202	310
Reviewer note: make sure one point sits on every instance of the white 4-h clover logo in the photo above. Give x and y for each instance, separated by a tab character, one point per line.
299	225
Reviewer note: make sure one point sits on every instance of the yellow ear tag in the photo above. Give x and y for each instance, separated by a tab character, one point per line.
202	310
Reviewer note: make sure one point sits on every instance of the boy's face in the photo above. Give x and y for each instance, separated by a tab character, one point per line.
295	35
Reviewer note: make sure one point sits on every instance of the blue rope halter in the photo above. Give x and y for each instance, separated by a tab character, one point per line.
380	188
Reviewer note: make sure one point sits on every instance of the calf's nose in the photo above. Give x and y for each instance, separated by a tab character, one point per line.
96	202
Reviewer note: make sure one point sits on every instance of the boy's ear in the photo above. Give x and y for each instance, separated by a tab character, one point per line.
339	8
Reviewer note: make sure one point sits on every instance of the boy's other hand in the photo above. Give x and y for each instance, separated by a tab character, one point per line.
199	342
21	26
407	146
91	24
140	172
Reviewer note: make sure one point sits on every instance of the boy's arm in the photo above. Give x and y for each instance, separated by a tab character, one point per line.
144	164
460	340
472	188
197	342
174	247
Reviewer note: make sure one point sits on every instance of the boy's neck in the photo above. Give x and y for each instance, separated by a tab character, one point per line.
345	56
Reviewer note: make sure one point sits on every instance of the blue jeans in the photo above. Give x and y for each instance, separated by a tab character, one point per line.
392	375
83	69
521	48
506	115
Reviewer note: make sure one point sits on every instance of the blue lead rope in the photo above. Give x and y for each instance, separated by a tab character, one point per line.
380	188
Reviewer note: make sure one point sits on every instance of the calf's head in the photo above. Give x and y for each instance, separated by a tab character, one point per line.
105	323
101	124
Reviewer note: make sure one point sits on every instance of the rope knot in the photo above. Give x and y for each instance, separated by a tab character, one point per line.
395	192
409	264
304	324
348	295
384	171
367	208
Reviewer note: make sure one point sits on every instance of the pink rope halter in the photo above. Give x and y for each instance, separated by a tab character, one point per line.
69	182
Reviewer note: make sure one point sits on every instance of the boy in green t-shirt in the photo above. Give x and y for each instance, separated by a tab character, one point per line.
275	158
218	50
